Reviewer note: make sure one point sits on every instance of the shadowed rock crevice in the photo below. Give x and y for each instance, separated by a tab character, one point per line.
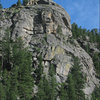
65	22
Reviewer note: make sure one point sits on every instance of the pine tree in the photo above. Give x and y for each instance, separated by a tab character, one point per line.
63	92
42	89
2	92
87	48
6	82
26	82
19	3
96	62
75	30
5	45
2	89
43	83
17	49
96	94
17	79
6	50
47	87
14	84
53	83
71	88
25	2
39	70
0	68
0	5
79	80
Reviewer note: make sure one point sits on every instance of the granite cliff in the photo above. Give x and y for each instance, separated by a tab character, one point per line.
46	29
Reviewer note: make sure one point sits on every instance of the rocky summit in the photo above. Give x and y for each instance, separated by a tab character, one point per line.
45	28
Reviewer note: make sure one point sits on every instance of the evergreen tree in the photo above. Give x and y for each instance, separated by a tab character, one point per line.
2	92
17	49
53	83
87	48
6	82
63	92
14	84
75	30
25	78
43	83
93	37
2	89
25	2
39	70
96	61
59	30
0	5
71	88
6	50
47	88
96	94
43	90
79	79
19	3
0	68
17	80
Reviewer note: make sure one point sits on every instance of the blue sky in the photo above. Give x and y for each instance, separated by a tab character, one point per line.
83	12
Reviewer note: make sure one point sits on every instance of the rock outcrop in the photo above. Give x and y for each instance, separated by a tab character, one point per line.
31	2
46	29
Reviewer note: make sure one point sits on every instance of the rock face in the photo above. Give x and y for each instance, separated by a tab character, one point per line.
39	2
46	29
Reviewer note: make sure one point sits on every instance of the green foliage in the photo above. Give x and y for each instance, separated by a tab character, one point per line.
53	83
79	79
75	30
92	37
87	48
63	92
17	81
39	70
96	94
45	37
72	90
14	84
26	82
19	3
78	32
0	68
2	92
0	5
47	87
96	60
44	89
6	83
6	49
59	30
25	2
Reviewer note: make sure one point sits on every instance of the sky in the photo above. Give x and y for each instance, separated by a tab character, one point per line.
83	12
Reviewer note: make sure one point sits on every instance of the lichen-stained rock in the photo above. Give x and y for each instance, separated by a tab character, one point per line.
46	30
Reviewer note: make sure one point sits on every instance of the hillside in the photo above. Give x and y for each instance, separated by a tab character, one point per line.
43	58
